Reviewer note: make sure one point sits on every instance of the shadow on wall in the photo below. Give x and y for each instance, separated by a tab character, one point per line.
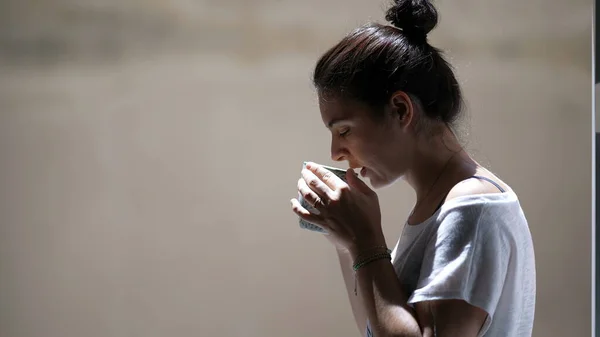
66	31
38	33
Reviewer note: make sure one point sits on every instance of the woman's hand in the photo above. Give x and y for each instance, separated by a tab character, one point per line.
349	212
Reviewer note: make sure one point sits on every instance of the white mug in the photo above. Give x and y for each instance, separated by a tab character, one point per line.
305	224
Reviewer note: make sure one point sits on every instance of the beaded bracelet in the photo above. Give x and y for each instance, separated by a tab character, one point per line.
363	260
365	255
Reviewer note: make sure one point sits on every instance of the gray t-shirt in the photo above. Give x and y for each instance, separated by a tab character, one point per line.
475	248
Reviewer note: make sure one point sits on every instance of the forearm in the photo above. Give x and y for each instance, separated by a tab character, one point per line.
383	301
358	310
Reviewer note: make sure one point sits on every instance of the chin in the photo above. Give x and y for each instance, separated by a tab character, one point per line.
379	183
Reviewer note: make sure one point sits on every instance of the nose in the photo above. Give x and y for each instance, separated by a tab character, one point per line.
337	151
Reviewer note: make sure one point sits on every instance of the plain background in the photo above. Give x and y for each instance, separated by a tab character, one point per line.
149	150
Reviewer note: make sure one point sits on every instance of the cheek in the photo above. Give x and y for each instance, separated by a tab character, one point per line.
384	153
368	154
373	148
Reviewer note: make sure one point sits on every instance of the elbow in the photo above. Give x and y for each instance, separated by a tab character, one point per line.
413	331
399	325
408	334
402	334
405	332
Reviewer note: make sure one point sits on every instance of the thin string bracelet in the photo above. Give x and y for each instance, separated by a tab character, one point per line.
362	261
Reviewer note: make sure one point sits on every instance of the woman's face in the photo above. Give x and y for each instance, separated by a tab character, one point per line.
380	148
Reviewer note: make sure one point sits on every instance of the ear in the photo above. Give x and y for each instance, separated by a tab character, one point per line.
402	108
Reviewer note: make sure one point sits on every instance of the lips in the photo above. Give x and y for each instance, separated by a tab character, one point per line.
363	170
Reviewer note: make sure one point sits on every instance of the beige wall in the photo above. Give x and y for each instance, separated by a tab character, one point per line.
149	151
597	107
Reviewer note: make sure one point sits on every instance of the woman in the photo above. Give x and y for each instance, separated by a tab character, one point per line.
464	264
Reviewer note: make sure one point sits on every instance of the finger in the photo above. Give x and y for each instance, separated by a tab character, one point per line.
318	186
329	178
307	216
355	182
309	195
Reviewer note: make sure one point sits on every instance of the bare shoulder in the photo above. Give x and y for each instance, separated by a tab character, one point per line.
477	185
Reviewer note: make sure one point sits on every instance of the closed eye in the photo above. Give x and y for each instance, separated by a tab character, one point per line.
344	132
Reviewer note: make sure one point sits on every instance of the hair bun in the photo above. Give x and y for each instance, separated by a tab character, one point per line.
413	17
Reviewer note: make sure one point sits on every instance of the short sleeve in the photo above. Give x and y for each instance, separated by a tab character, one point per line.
466	259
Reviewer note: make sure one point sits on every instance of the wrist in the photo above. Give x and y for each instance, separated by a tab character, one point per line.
365	246
362	257
342	251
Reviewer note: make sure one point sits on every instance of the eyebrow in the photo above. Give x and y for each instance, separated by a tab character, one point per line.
334	122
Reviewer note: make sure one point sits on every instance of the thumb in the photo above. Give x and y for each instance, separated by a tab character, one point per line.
355	182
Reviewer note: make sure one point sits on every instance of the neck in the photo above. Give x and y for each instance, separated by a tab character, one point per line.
435	160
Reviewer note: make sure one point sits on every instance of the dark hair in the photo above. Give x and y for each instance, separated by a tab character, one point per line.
374	61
